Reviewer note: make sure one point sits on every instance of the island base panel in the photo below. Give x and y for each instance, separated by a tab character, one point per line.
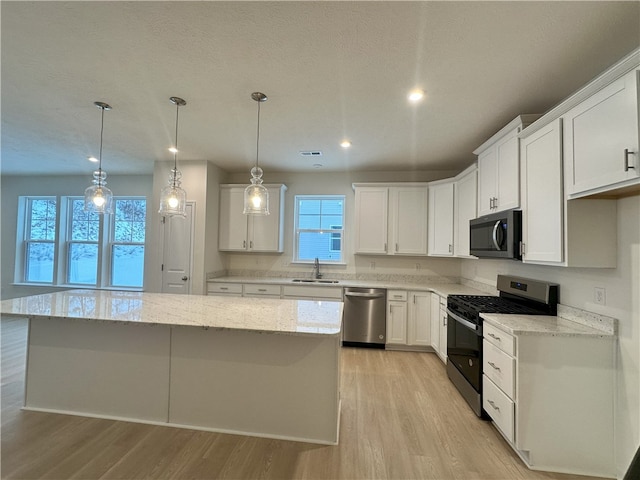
255	383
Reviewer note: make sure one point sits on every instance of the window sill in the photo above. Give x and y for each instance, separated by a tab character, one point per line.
80	287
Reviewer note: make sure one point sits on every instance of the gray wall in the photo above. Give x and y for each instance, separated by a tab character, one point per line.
15	186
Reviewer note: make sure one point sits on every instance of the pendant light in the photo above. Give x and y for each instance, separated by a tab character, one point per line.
173	198
256	196
98	198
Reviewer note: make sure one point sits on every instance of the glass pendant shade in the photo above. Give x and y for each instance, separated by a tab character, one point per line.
173	198
98	198
256	195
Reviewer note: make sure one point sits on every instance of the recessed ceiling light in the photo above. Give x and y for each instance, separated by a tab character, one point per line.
415	95
92	159
345	144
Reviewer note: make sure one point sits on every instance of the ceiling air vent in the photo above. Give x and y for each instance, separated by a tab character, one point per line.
311	153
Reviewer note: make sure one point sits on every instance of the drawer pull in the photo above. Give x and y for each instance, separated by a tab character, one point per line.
495	407
495	337
494	366
262	289
224	288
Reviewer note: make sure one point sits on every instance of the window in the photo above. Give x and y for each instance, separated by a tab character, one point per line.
319	221
94	251
39	239
127	243
82	247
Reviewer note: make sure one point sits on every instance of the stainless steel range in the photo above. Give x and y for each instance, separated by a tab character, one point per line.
464	327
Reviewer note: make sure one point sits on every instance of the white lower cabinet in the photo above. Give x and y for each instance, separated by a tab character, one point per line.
408	320
551	396
261	290
438	322
226	289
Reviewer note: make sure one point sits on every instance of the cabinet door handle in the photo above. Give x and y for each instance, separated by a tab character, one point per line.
522	249
396	247
444	320
495	407
627	152
450	248
251	244
494	336
491	203
244	244
385	247
494	366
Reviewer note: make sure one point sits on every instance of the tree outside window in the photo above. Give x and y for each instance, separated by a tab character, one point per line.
40	239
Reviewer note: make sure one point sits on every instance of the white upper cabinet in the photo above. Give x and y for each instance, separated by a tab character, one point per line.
542	202
601	139
441	218
250	233
391	219
499	168
557	231
464	209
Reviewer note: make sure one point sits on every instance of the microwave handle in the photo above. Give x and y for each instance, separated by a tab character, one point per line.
494	236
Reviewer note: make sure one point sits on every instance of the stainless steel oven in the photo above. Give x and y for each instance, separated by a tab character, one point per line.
464	327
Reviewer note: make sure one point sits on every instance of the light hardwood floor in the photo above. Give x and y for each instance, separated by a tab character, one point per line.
401	419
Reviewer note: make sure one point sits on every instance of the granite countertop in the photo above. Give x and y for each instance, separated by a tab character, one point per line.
442	289
543	325
289	317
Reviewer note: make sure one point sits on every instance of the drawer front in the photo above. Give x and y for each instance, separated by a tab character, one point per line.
224	288
262	289
311	292
500	408
397	295
499	338
499	367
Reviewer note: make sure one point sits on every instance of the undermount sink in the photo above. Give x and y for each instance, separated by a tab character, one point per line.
313	280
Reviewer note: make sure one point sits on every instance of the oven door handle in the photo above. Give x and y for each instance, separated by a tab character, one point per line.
466	323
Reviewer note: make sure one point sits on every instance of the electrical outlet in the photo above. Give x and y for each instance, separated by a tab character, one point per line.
600	295
418	266
372	265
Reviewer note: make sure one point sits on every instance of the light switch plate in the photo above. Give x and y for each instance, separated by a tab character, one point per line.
600	295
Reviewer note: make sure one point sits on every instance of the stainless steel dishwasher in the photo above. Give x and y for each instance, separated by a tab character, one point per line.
365	317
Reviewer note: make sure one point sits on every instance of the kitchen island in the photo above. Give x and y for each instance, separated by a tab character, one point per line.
262	367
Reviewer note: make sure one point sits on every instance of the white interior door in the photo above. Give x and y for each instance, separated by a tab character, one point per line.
176	255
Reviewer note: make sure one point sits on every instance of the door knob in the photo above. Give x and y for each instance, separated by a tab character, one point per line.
184	279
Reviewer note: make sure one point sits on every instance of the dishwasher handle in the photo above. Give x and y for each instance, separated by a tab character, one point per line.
364	295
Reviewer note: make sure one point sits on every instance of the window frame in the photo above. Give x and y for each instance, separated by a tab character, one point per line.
331	231
111	242
24	240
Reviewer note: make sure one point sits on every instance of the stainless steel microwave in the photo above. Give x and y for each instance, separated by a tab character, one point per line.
497	235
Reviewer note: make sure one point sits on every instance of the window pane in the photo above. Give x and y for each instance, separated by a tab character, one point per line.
309	207
130	221
84	225
315	244
83	263
332	207
331	221
40	262
42	219
307	222
127	265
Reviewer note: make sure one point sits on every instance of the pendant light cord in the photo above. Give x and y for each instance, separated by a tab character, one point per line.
175	154
100	152
258	136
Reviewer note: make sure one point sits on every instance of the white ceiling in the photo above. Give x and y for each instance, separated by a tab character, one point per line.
331	70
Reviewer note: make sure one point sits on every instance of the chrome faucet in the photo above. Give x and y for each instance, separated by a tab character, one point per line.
316	269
